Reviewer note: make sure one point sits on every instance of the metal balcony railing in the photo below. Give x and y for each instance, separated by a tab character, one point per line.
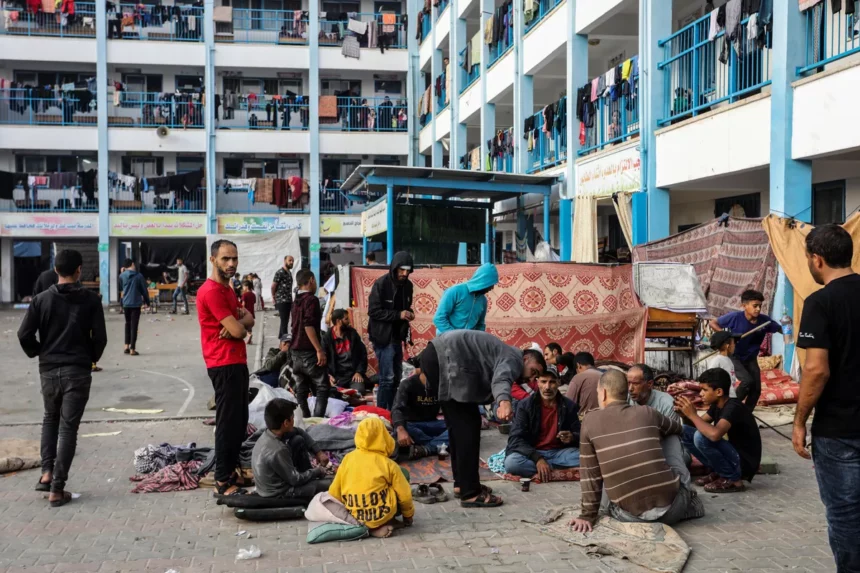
614	121
21	107
441	8
369	114
503	46
235	200
22	22
151	109
289	113
390	30
127	201
830	36
548	149
543	8
156	22
254	26
44	199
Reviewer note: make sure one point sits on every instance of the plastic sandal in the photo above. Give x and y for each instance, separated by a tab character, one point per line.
421	494
220	490
723	485
483	500
437	492
705	480
484	489
42	486
67	497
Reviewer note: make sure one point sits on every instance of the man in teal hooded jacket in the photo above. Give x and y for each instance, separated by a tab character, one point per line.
464	306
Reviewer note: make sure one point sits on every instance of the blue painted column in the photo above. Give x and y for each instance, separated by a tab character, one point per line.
488	110
363	249
651	209
436	151
547	205
487	247
103	154
565	229
463	254
523	90
209	110
413	76
390	215
577	75
790	180
456	42
314	132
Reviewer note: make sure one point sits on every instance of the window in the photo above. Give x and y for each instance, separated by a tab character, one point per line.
189	82
53	163
395	7
341	87
186	164
142	83
739	206
143	166
388	87
828	203
338	7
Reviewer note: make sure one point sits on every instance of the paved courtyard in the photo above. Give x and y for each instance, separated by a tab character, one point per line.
776	525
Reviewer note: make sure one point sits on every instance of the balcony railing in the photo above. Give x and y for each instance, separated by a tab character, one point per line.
379	34
288	113
369	114
614	121
469	77
44	200
502	159
127	201
332	199
19	108
701	72
830	36
151	109
239	201
425	119
426	27
254	26
441	8
26	23
543	8
500	48
149	22
442	98
547	149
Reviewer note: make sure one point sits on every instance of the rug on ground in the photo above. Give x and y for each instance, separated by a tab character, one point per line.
431	470
582	307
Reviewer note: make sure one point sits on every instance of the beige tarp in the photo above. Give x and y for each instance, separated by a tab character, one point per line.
788	241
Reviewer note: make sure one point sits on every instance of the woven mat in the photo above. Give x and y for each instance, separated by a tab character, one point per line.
431	470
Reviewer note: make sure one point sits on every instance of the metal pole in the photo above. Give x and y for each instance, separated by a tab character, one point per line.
103	154
546	207
390	216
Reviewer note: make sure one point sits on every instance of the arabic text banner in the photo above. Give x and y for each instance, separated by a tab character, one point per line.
53	225
258	224
145	225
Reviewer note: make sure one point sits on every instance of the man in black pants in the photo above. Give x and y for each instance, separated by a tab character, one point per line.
223	328
465	369
282	294
70	324
134	296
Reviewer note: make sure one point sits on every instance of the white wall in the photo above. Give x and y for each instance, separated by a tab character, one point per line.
443	123
470	101
337	142
825	113
443	28
155	52
262	141
26	137
47	49
545	38
722	142
141	139
695	207
501	76
592	12
267	56
371	59
425	138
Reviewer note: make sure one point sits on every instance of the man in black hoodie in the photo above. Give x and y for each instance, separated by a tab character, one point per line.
390	310
345	353
70	324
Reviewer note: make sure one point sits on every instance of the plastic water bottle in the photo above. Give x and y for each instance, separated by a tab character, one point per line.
375	394
787	329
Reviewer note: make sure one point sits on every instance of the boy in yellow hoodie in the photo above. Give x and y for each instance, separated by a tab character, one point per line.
370	484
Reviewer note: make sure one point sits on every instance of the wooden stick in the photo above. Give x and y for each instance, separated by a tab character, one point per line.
756	329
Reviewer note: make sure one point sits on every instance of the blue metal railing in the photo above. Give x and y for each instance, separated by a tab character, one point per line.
614	120
548	149
369	114
426	27
150	109
426	119
238	201
127	201
700	73
332	32
543	8
266	112
332	199
79	25
470	77
830	36
441	99
441	8
19	109
500	48
145	22
43	199
256	26
504	161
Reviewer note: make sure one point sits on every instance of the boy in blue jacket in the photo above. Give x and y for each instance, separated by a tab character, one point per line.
134	296
464	306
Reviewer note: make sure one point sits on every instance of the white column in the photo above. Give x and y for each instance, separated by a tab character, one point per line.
7	270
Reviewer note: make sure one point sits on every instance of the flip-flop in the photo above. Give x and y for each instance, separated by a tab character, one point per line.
67	497
484	489
483	500
220	490
723	485
705	480
42	486
421	494
437	492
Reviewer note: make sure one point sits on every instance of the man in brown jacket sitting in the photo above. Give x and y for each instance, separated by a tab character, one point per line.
622	461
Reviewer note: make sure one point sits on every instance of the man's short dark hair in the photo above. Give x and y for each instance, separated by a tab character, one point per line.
338	314
716	378
535	356
584	358
371	257
549	373
180	260
216	246
248	284
647	371
67	262
566	360
127	263
277	412
751	296
555	347
833	244
304	277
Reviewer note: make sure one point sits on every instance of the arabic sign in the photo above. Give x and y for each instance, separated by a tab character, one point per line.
340	226
145	225
374	220
53	225
255	225
608	174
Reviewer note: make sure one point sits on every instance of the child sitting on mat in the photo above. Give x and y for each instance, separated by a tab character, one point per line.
372	486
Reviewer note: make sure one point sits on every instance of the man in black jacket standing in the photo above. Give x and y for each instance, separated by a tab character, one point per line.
345	353
545	434
70	324
390	309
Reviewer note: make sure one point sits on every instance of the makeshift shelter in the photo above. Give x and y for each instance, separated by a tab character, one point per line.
264	253
730	255
587	308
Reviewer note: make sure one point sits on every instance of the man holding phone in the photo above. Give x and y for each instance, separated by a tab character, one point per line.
545	434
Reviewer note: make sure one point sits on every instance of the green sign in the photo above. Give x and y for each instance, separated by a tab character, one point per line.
103	247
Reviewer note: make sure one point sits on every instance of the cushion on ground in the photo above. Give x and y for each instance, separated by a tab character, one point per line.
324	532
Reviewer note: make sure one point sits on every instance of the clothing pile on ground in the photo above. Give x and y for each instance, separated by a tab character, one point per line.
622	81
550	122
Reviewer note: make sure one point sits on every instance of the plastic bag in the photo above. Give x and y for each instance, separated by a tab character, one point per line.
334	408
266	394
252	552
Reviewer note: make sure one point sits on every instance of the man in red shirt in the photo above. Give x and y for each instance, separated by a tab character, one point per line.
223	327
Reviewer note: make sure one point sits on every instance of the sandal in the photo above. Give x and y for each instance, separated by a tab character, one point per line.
421	494
97	368
483	500
705	480
438	493
221	490
133	352
722	485
126	351
67	497
484	489
42	486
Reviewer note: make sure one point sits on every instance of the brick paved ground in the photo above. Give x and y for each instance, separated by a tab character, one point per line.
776	525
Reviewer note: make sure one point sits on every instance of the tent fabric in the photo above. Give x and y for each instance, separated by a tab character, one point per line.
788	241
585	229
623	203
264	254
730	255
157	255
582	307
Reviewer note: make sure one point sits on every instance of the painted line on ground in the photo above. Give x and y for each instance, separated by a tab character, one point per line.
186	382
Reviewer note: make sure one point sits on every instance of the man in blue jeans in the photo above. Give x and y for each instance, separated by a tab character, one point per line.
829	330
389	308
545	433
415	417
732	460
181	292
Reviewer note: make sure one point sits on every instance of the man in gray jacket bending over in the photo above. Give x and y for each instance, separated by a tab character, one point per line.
464	369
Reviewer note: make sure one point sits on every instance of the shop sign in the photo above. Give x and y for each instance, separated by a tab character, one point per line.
256	225
145	225
618	172
49	225
340	226
374	220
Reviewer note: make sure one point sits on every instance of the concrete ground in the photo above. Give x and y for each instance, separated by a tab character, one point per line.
776	525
